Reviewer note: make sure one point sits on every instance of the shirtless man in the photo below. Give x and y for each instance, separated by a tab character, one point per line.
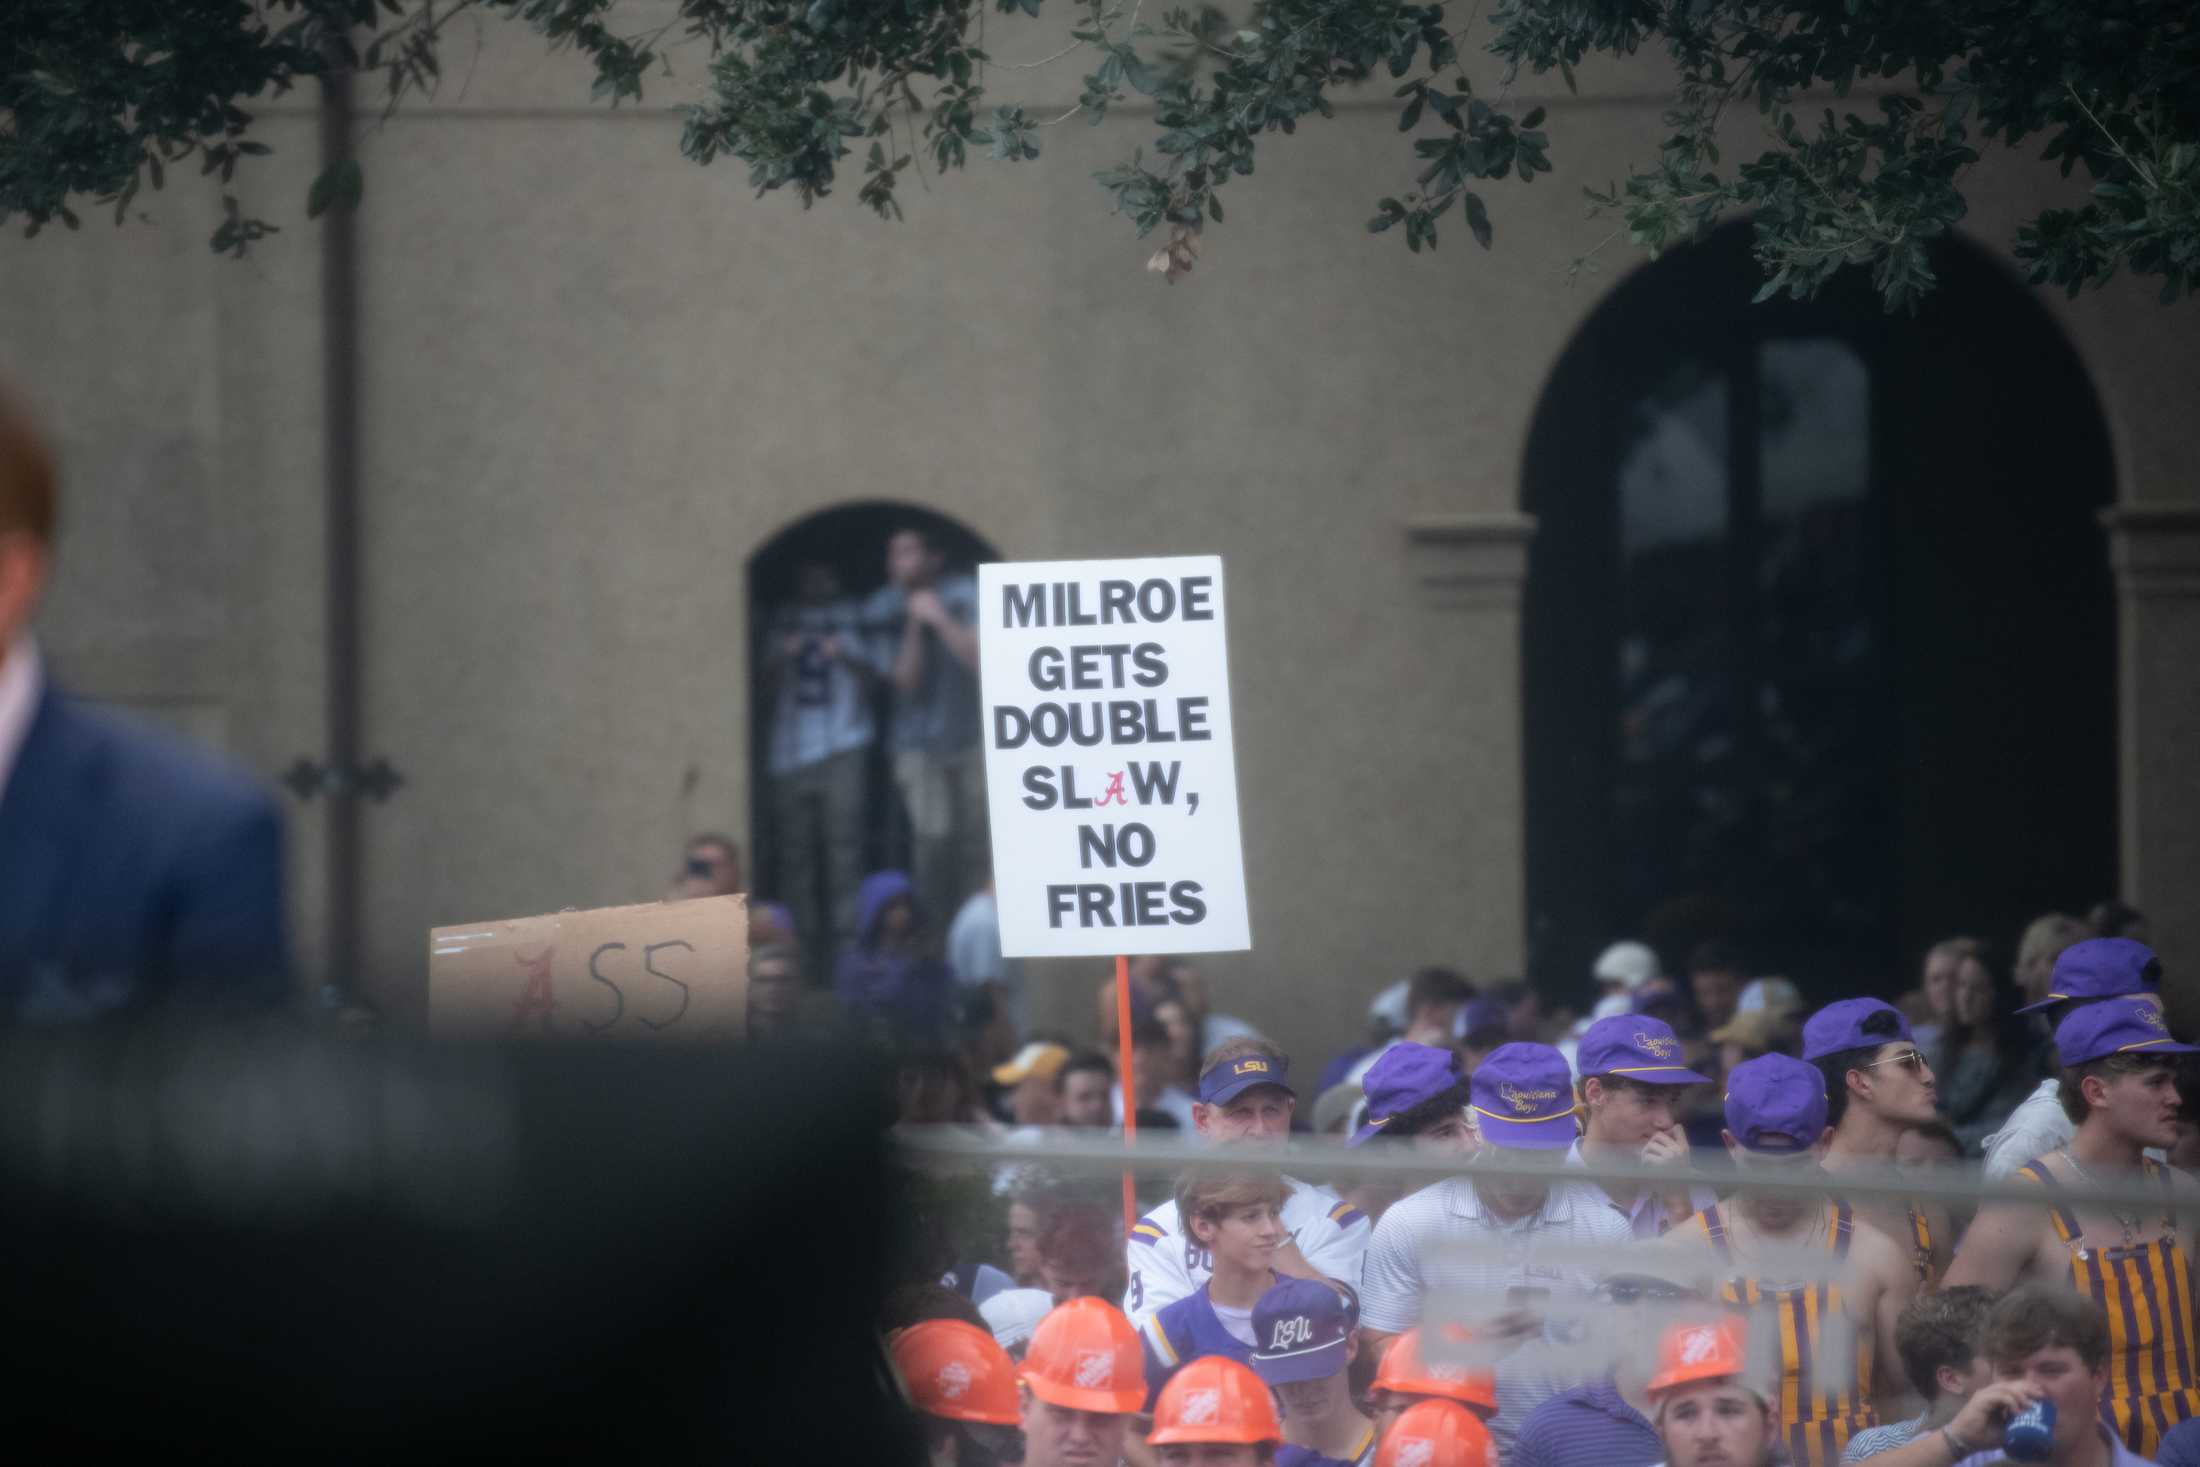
1835	1325
1878	1086
2119	1088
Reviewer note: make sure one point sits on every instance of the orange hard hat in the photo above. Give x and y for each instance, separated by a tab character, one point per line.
1084	1355
1709	1350
1404	1370
1215	1399
1437	1434
952	1368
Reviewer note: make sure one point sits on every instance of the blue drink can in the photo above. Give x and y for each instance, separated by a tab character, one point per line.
2030	1436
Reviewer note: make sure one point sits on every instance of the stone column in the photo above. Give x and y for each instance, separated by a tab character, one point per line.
1471	569
2154	550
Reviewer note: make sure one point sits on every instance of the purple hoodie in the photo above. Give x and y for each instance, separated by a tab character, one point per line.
910	991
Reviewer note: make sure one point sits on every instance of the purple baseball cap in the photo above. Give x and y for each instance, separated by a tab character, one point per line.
1776	1103
1840	1025
1523	1097
1230	1078
2100	967
1401	1078
1299	1331
1638	1047
2119	1026
1478	1014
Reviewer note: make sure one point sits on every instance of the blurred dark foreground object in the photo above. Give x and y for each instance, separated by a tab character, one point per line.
249	1246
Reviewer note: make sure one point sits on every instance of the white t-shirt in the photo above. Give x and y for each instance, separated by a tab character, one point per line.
1171	1102
2033	1129
1165	1264
1239	1322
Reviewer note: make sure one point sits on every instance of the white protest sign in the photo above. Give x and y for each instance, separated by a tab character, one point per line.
1109	772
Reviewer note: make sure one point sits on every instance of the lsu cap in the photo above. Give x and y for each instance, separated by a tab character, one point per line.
1227	1079
1300	1327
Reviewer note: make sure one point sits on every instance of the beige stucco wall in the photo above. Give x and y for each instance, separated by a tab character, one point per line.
597	378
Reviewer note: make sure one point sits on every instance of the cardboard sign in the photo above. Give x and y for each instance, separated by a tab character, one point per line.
1110	776
657	972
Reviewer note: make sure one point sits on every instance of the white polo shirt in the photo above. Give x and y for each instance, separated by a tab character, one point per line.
1403	1267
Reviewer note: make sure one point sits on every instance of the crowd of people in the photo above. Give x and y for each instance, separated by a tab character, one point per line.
1526	1310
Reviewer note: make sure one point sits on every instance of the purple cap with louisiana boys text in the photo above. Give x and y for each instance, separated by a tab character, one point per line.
1840	1025
1523	1097
1636	1047
1776	1103
2100	967
1228	1079
1400	1079
1299	1331
2118	1026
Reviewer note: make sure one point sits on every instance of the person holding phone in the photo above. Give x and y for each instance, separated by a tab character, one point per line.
1533	1222
821	693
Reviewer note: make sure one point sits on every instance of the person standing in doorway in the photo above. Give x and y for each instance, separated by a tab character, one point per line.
925	643
820	688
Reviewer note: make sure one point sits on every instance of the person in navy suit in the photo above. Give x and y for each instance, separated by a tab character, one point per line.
135	872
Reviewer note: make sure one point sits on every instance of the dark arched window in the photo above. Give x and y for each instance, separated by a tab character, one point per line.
1819	637
813	835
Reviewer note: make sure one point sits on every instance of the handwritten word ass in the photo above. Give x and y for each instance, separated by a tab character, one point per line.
653	973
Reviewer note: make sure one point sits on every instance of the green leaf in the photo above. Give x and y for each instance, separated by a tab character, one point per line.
339	186
1478	220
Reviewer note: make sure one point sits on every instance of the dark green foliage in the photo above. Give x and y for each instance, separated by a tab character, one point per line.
101	97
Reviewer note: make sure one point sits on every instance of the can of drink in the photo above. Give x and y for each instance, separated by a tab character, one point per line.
2030	1436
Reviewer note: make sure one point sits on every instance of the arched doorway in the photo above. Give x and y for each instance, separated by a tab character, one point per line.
816	581
1819	637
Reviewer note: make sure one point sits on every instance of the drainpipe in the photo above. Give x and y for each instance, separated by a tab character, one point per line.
340	428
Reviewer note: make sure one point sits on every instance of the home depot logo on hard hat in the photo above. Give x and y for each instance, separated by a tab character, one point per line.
954	1380
1415	1451
1095	1370
1200	1408
1698	1346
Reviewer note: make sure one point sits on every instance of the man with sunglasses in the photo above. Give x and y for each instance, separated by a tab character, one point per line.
1878	1085
1827	1286
1608	1420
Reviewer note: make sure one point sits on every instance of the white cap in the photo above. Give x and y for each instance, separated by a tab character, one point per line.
1629	963
1013	1314
1611	1006
1390	1006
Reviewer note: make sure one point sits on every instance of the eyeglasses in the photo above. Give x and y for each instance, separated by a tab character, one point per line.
1912	1060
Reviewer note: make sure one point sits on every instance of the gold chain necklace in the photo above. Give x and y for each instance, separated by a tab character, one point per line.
2128	1221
